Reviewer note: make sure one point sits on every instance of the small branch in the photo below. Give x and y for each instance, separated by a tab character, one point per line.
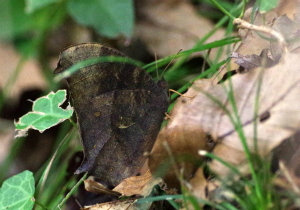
244	24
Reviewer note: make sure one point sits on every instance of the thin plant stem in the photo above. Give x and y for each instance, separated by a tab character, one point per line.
41	205
11	81
219	6
243	9
71	191
239	129
43	178
73	123
256	110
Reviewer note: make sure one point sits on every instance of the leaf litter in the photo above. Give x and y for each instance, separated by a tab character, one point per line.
264	100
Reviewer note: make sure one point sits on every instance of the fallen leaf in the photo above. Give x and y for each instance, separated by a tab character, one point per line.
138	185
288	28
183	143
288	152
129	204
175	152
278	114
168	26
253	43
249	62
98	188
287	7
199	185
29	77
6	138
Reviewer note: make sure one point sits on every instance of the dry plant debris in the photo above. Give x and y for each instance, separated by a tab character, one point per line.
264	102
119	205
138	185
170	25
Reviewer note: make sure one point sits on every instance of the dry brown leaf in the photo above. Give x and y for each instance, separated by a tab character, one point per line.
120	205
182	143
248	62
288	152
252	42
138	185
6	137
278	116
288	7
177	145
29	77
199	184
168	26
288	28
96	187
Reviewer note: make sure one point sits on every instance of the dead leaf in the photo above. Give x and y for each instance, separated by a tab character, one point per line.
288	152
249	62
30	74
253	43
175	152
129	204
183	144
278	115
6	137
199	185
287	7
138	185
98	188
168	26
288	28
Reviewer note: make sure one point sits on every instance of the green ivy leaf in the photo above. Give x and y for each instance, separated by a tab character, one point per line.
17	192
33	5
45	113
109	18
267	5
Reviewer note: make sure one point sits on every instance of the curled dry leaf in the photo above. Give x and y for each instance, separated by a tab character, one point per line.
248	62
252	42
120	205
277	116
288	28
138	185
96	187
198	185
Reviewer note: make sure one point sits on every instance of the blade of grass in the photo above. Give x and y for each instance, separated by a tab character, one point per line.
71	191
43	178
211	45
94	61
9	159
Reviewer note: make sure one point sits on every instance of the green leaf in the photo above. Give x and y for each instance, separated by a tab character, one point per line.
267	5
17	192
109	18
33	5
45	114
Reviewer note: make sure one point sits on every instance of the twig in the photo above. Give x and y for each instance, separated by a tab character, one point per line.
174	91
244	24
